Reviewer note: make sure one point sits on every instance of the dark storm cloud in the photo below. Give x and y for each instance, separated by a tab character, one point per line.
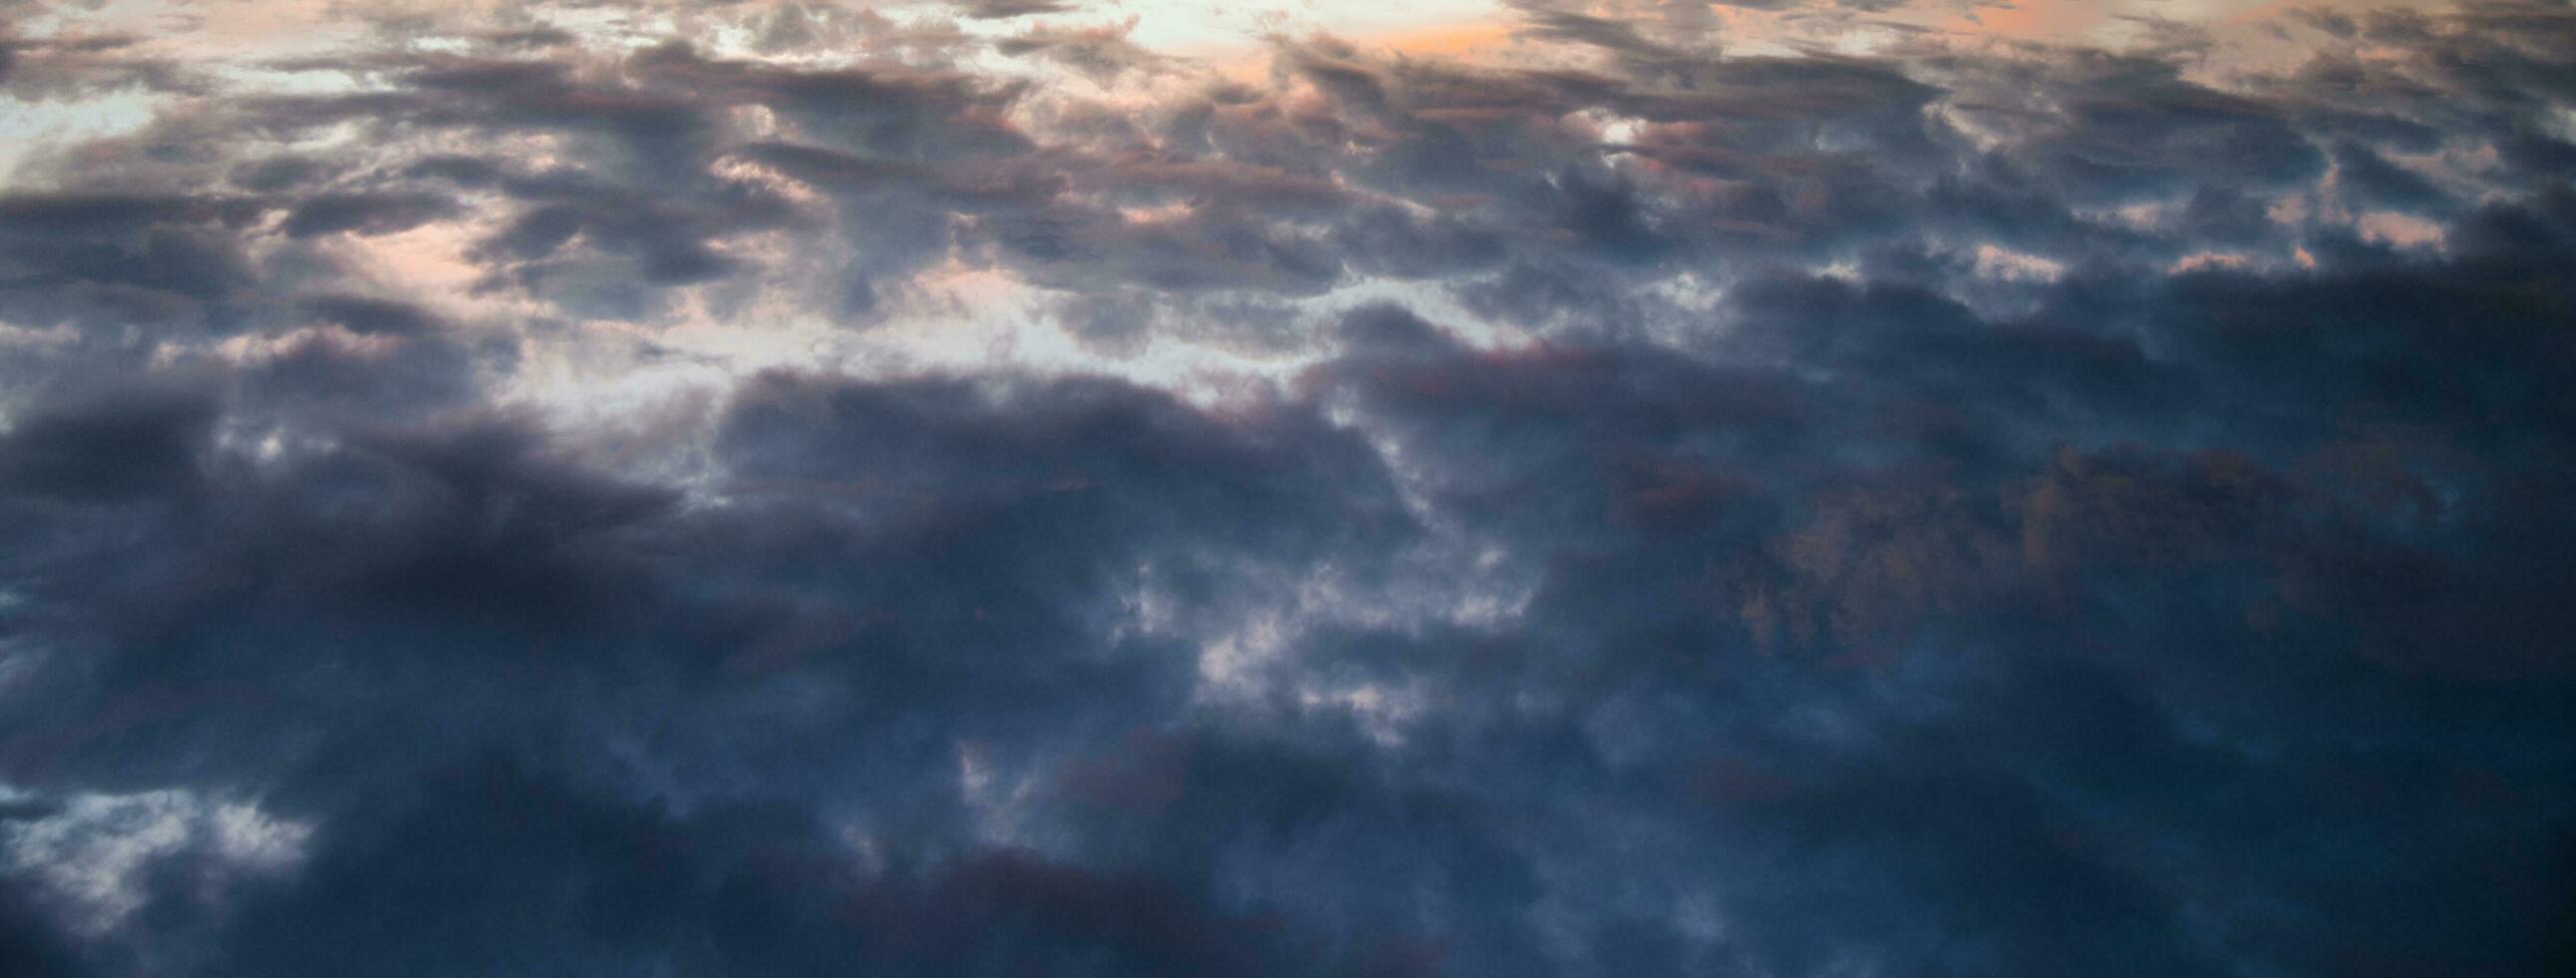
361	314
29	944
1686	526
911	562
608	884
2129	133
125	257
1996	509
364	213
139	443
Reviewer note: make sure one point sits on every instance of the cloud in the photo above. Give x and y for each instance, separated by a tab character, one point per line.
761	488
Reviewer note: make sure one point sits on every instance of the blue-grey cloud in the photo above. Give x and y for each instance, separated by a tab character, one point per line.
506	497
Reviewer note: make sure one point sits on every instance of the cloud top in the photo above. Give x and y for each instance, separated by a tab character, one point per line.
1802	488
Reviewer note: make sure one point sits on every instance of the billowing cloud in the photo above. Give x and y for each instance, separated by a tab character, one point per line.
1789	488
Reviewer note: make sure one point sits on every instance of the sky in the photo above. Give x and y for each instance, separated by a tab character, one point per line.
1304	487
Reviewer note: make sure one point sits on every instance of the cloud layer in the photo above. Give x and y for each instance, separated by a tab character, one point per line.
1835	488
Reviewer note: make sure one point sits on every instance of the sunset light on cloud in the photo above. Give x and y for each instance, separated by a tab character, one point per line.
1297	487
